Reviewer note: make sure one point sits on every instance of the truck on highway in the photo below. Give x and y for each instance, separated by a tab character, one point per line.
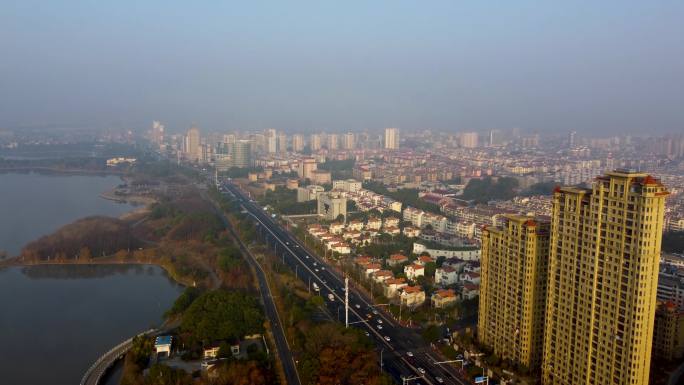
316	288
331	297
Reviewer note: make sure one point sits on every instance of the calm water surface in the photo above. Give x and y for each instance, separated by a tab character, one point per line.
57	319
32	205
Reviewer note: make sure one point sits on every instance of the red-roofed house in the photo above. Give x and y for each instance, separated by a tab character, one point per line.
414	271
470	290
443	298
396	259
412	296
470	277
372	268
392	286
424	259
382	275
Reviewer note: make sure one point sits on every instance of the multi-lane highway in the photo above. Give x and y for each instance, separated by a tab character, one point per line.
404	353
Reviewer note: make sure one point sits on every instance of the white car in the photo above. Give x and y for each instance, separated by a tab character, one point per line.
379	321
421	370
387	338
439	379
367	334
322	268
316	270
375	312
409	354
357	306
307	257
379	327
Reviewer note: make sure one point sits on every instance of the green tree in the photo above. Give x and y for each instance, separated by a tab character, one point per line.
221	315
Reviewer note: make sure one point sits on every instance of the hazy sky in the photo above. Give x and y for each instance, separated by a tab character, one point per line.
593	66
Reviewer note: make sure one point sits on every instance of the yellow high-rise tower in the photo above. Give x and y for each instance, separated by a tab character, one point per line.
603	275
513	289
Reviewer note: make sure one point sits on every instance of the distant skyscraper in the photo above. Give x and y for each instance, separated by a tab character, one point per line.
242	153
157	133
603	275
513	289
469	139
297	143
315	142
193	145
271	141
495	138
282	142
349	141
571	139
333	141
391	138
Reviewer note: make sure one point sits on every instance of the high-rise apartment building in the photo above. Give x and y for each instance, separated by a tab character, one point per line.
157	133
333	141
603	275
469	139
282	142
297	143
349	141
391	138
315	142
271	140
513	289
193	145
242	154
572	136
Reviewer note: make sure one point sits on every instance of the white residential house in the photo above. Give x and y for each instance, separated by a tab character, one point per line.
411	232
391	230
391	222
374	223
471	277
336	228
446	275
382	276
470	290
355	225
414	271
341	248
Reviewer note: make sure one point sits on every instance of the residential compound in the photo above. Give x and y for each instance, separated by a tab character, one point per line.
603	260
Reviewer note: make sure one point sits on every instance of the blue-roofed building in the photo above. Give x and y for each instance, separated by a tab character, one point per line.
162	344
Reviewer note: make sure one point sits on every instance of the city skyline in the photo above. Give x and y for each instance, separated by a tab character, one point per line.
608	67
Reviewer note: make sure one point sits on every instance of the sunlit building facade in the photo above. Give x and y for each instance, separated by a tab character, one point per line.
513	289
603	274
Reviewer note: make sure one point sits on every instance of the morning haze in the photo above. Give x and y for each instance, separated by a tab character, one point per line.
613	66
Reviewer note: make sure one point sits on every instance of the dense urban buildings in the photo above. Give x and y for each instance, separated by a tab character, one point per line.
603	273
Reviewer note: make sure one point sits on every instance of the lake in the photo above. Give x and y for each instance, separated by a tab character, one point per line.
56	320
32	205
